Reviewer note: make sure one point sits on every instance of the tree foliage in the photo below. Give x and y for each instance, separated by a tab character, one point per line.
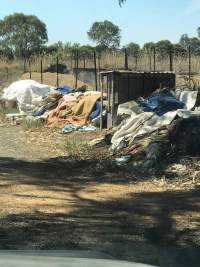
23	34
133	49
179	50
105	34
194	43
148	47
184	41
164	48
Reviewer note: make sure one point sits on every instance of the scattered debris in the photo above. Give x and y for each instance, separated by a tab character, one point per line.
123	160
166	126
150	130
62	107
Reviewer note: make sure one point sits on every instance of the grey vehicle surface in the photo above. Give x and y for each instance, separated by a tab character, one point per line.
61	259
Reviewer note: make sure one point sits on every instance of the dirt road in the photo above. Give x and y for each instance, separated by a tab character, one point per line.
60	204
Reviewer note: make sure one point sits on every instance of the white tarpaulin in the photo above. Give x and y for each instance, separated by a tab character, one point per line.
141	124
27	93
188	97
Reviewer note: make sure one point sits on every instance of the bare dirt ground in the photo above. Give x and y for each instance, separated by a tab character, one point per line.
51	202
57	203
51	79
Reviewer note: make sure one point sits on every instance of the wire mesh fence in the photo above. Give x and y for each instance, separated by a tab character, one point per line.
116	59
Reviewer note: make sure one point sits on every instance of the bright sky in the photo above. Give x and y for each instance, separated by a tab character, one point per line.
140	20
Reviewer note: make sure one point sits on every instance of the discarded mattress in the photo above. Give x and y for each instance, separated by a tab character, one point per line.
27	93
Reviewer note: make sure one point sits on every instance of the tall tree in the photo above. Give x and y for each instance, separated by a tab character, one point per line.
148	49
194	43
184	41
105	34
23	34
164	48
133	49
179	50
198	32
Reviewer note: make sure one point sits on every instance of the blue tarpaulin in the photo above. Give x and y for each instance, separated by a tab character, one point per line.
161	103
65	89
96	111
41	110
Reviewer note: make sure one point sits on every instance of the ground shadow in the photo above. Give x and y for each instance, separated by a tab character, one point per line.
142	227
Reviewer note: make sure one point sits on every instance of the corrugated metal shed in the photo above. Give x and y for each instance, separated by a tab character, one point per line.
123	86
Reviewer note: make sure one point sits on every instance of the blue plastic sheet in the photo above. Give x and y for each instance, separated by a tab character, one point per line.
65	89
40	111
96	111
161	103
68	128
87	128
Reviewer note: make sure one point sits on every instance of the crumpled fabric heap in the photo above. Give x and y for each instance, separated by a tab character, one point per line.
150	134
73	110
60	106
48	103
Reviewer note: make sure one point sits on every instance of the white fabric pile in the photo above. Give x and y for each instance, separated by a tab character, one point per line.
27	93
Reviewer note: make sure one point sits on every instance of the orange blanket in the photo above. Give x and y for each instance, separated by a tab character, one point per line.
75	111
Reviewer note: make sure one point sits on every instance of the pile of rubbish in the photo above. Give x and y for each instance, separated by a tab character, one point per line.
63	107
164	124
151	130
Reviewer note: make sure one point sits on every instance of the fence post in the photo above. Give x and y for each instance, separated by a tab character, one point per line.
99	70
30	72
136	62
76	67
74	58
57	71
95	70
125	59
189	64
101	114
41	71
171	60
154	59
71	61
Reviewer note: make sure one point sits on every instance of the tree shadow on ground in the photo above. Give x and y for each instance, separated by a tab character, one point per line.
160	228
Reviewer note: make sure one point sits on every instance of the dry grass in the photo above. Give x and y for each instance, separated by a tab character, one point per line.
81	150
9	72
51	79
13	70
115	60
